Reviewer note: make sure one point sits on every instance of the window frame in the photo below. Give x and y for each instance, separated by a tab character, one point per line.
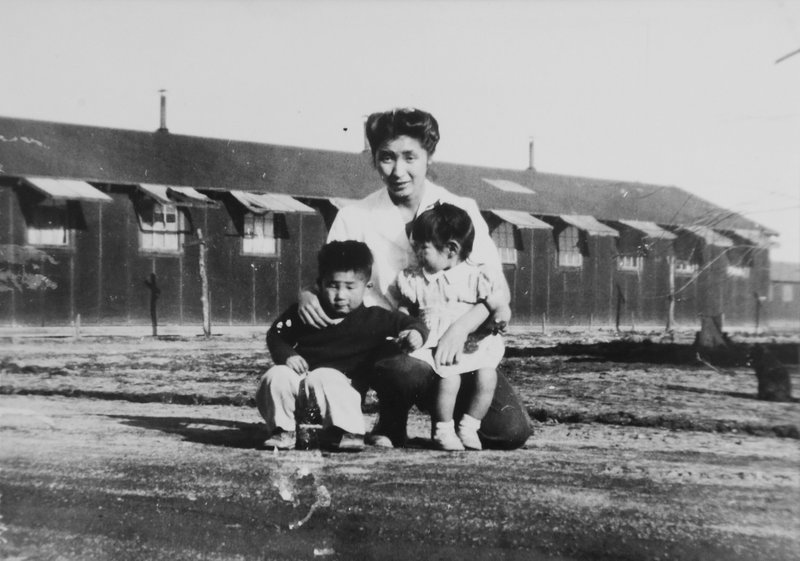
686	267
249	238
572	256
149	231
738	271
630	262
65	230
504	237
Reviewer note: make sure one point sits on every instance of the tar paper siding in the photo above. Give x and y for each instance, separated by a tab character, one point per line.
101	274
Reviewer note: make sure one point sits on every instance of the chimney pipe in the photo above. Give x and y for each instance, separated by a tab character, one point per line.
366	141
163	127
530	155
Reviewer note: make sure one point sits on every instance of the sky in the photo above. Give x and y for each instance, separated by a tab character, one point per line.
679	92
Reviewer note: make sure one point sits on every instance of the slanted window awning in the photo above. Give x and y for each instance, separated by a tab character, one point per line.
67	189
751	237
650	230
588	224
172	195
709	236
521	219
261	203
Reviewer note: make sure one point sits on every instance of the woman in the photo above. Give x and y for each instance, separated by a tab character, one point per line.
402	142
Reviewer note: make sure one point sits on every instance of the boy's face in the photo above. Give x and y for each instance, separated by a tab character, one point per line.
341	292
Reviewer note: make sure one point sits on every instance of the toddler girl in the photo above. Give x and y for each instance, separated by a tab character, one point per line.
440	289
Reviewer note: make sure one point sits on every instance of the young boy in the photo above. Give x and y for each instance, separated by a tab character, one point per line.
336	360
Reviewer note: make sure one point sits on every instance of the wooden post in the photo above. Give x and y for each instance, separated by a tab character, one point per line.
204	284
671	295
758	300
154	294
620	301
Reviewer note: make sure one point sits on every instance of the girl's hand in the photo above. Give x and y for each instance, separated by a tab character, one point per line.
501	316
451	346
298	364
410	340
310	310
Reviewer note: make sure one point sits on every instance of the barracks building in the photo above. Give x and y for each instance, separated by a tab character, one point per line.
89	216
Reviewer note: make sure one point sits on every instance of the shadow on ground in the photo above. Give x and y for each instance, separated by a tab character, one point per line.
217	432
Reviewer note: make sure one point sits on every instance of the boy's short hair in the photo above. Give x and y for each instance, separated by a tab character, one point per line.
444	222
346	255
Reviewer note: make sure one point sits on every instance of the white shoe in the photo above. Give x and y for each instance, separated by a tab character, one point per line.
379	440
447	441
283	440
470	439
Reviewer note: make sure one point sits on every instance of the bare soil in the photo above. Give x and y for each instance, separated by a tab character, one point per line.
142	448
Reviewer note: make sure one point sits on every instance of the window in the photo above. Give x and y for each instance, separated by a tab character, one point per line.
161	228
569	253
787	293
259	235
49	225
685	267
633	263
503	237
739	271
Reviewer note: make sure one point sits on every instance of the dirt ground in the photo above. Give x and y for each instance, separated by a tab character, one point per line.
138	448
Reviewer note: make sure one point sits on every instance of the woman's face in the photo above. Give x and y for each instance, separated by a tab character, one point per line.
402	163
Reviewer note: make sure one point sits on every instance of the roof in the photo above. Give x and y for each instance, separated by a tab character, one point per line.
105	155
784	272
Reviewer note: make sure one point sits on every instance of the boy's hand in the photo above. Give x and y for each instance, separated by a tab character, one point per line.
298	364
409	340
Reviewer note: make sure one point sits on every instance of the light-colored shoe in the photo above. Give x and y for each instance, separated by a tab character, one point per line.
469	439
447	441
283	440
350	443
379	440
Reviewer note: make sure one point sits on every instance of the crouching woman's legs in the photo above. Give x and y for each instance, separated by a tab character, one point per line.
506	425
401	381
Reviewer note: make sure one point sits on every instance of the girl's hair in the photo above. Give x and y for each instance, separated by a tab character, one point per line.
346	255
415	123
442	223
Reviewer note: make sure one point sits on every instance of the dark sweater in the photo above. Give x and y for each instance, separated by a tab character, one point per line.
351	346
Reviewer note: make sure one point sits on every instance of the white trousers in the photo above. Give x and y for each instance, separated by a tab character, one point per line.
339	403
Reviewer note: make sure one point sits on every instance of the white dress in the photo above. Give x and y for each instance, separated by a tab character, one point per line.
440	299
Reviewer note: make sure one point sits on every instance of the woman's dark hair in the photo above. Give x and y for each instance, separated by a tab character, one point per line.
348	255
415	123
442	223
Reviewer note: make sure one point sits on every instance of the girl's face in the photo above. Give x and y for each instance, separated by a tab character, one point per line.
433	259
402	163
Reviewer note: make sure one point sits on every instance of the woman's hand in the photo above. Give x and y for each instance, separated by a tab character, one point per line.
310	310
298	364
